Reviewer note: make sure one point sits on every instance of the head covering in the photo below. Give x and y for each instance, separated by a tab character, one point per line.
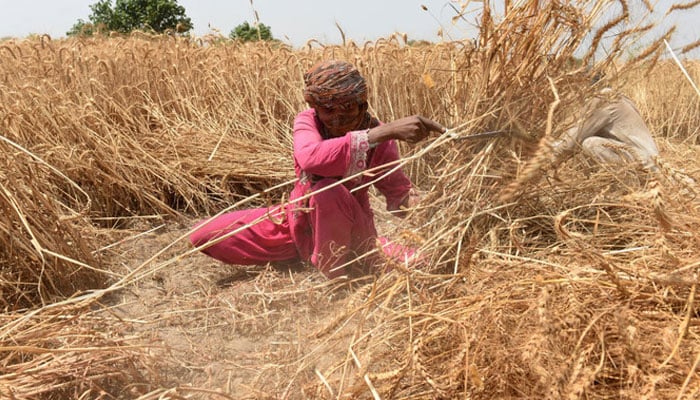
333	83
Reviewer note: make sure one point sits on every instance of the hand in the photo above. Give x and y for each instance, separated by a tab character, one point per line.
409	129
411	201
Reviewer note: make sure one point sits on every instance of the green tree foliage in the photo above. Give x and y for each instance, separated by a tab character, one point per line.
130	15
247	33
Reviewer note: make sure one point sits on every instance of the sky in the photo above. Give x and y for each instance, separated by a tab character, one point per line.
297	21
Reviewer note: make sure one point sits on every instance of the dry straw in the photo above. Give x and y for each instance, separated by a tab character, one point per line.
535	282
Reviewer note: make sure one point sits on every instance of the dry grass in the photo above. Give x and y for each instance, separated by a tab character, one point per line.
576	282
69	352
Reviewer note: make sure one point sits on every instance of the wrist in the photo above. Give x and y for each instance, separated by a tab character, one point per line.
372	142
376	136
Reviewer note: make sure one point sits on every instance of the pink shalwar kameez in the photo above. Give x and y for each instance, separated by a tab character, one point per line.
325	228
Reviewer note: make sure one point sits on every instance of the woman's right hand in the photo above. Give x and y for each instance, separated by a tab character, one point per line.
408	129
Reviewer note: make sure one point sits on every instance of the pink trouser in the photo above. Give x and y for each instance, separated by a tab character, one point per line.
265	241
334	230
341	228
337	222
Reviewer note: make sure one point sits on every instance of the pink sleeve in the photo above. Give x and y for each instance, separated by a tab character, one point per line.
341	156
395	186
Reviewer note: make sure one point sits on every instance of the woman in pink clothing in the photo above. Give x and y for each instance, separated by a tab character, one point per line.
328	219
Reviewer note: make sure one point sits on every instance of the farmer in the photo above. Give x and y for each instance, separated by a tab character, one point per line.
326	221
612	132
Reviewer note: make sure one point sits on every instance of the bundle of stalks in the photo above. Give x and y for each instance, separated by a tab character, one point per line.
45	241
542	98
68	352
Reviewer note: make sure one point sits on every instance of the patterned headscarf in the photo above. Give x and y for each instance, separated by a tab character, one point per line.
333	83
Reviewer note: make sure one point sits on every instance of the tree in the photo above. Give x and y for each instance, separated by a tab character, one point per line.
247	33
130	15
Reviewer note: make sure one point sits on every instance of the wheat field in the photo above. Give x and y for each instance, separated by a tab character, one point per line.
537	282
